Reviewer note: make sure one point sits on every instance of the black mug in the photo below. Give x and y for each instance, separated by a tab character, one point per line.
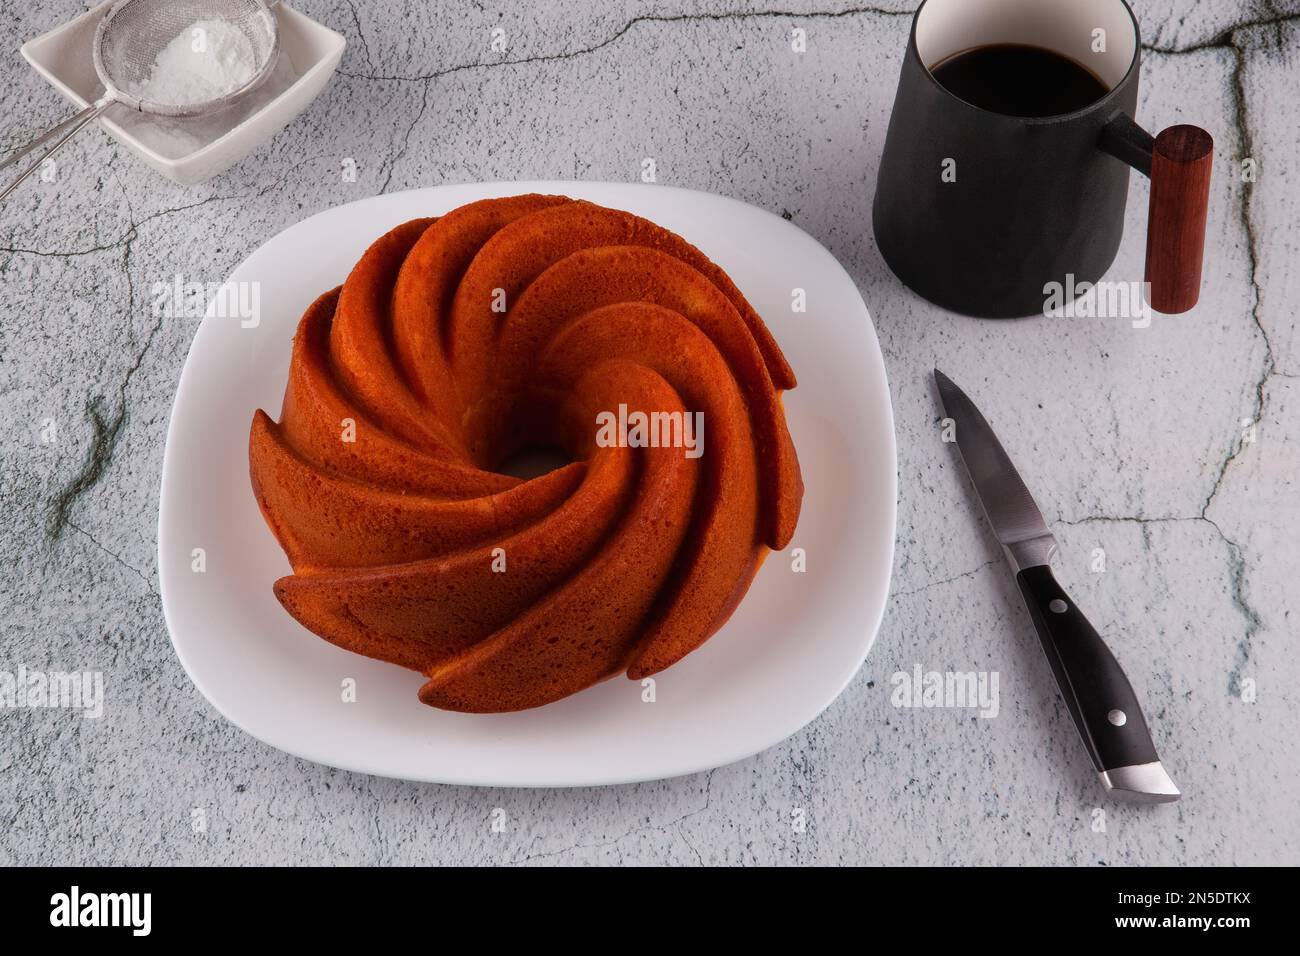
983	212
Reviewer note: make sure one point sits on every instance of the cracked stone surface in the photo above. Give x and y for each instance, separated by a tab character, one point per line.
1174	449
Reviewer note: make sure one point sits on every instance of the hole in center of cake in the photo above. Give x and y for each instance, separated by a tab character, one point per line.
533	461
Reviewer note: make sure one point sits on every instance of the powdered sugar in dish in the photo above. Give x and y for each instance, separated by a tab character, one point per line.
207	60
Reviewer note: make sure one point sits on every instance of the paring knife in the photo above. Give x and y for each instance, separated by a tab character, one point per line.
1098	695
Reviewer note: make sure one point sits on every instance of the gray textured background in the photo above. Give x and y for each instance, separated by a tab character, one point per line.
1134	437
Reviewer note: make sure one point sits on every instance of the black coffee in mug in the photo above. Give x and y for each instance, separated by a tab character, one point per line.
1019	80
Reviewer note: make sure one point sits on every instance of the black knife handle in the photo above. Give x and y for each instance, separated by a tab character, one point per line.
1098	695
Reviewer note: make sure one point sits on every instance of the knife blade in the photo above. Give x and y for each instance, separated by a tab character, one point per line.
1097	694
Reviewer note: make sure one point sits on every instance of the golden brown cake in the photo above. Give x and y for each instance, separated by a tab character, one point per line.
455	343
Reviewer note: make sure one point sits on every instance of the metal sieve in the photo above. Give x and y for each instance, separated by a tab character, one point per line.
127	43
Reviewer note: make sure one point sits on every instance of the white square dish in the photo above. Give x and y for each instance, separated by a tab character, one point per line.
793	644
191	151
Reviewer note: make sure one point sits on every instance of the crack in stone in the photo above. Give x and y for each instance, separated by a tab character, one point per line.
1237	570
127	237
674	823
1246	141
406	140
691	846
623	30
361	36
116	557
1127	519
1237	565
16	250
1218	42
106	434
956	577
133	228
1224	38
1227	40
108	431
281	182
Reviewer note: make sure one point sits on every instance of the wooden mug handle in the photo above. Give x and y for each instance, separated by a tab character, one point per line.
1180	196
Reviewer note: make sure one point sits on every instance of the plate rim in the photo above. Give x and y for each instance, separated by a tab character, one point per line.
356	763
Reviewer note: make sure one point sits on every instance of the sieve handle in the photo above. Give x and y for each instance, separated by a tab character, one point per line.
62	133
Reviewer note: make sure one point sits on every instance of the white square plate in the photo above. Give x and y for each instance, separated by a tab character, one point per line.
795	642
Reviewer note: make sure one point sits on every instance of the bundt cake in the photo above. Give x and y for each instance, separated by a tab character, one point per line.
508	324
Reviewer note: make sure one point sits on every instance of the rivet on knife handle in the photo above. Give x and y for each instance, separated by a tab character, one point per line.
1097	693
